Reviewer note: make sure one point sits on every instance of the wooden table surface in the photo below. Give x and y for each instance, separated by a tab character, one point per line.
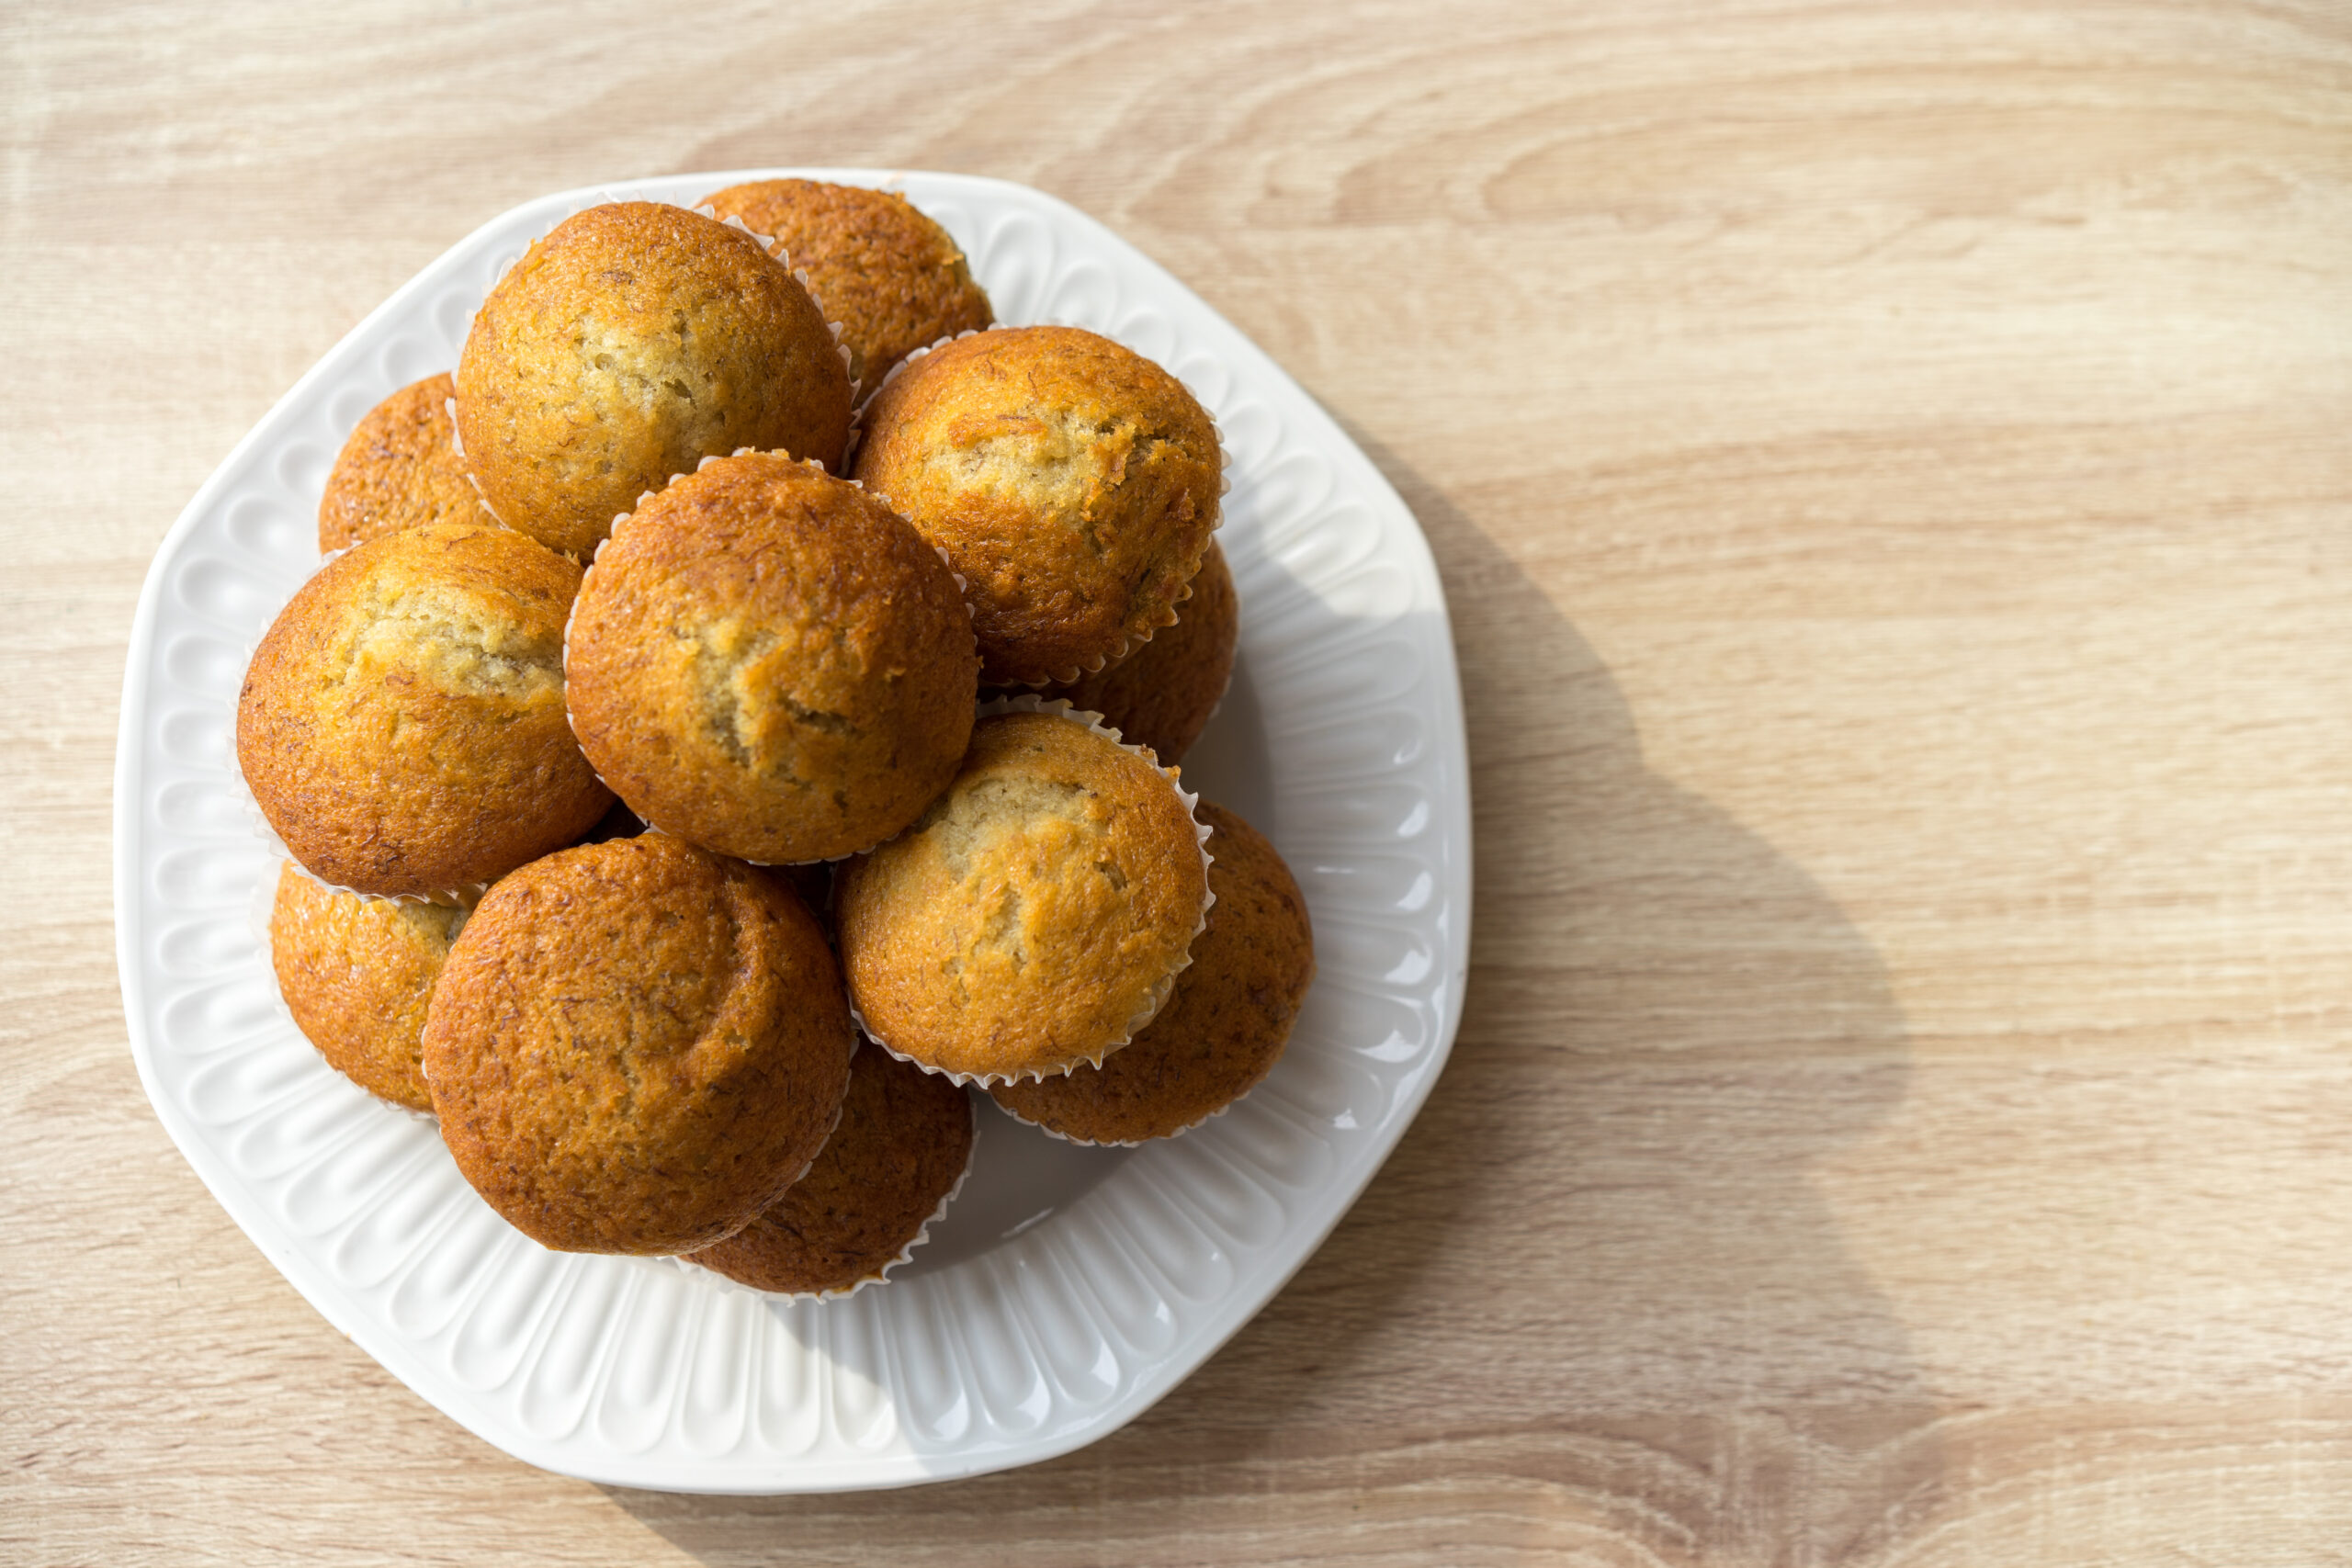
1889	464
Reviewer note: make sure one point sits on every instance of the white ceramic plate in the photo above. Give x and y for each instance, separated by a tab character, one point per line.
1067	1288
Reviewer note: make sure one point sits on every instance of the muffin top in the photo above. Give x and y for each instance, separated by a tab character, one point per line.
355	974
399	469
402	723
1162	695
1224	1028
636	1047
1072	483
904	1139
1036	913
891	278
634	340
771	662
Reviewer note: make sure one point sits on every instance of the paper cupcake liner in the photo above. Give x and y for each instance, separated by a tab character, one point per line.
1061	707
589	568
881	1276
1169	614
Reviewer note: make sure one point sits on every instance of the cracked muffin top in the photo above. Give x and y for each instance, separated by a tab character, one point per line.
1072	483
402	723
399	469
637	1046
1224	1028
890	277
633	340
902	1142
770	663
1035	915
355	974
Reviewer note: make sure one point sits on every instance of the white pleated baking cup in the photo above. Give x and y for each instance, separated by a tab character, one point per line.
1060	707
1185	590
622	521
882	1275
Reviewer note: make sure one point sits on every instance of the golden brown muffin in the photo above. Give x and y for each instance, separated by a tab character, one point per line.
888	276
1072	483
1224	1028
632	341
769	661
1162	694
399	469
1038	912
636	1047
402	723
355	974
904	1139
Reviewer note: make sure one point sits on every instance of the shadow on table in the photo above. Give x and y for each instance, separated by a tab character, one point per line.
1596	1295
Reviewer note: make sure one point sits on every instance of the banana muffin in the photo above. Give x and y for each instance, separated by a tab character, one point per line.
1224	1028
1162	695
402	723
399	469
891	278
903	1142
1038	912
355	974
634	340
1072	483
637	1046
769	661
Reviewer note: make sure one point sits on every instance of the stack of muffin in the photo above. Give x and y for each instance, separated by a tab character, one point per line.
686	826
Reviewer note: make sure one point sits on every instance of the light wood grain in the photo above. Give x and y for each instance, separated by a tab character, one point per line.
1889	465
